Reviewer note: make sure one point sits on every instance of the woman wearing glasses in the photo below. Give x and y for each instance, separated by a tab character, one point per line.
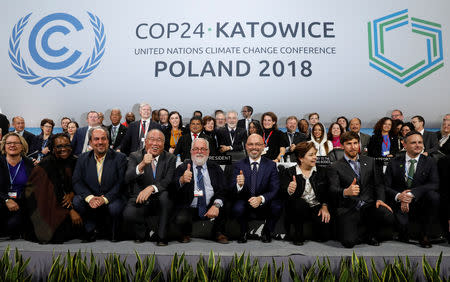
15	168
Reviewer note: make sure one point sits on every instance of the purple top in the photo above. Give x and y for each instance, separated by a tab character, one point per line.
18	176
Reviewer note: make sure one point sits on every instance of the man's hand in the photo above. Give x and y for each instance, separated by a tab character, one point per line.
240	179
383	204
292	185
213	212
145	194
96	202
12	205
325	214
255	201
187	175
292	147
352	190
224	148
75	217
404	207
146	160
404	197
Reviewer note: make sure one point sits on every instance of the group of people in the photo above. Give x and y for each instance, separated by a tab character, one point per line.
54	187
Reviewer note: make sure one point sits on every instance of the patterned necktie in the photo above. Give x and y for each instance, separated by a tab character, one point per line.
142	135
114	134
254	178
411	172
356	167
201	201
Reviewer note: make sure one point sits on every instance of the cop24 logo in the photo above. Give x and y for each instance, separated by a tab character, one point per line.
60	59
423	66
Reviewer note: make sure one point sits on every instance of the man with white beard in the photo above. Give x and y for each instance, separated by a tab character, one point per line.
201	193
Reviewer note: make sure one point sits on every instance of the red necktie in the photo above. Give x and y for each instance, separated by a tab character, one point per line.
195	135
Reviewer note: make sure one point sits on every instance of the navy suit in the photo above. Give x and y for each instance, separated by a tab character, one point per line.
78	140
268	185
131	141
122	130
424	187
224	138
85	183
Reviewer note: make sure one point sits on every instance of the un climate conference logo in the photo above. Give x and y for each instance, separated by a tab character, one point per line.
61	59
427	63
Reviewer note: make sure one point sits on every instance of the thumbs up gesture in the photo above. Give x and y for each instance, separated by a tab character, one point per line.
353	189
148	158
187	175
240	179
292	185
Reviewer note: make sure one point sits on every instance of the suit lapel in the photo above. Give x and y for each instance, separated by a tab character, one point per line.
347	167
420	167
160	164
107	167
92	166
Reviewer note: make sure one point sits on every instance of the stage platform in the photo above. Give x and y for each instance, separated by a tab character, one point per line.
281	251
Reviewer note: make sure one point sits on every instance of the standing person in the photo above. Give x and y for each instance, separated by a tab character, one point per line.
319	138
4	125
64	123
15	168
356	183
292	137
42	142
116	130
72	129
19	127
343	121
384	141
430	140
274	142
80	142
163	118
355	126
247	112
220	119
231	138
209	128
183	147
173	132
313	119
334	134
255	179
397	114
443	136
129	118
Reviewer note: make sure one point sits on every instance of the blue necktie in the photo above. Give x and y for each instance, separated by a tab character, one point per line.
254	178
201	201
356	167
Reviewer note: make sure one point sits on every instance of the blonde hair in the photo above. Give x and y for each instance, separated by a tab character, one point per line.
22	141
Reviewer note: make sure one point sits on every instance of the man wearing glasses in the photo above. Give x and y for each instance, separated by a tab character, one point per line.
247	112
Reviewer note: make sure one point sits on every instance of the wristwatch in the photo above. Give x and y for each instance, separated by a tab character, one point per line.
6	200
217	205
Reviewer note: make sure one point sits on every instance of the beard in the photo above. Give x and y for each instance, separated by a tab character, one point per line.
199	159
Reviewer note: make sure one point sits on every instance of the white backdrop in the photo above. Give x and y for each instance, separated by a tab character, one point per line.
340	84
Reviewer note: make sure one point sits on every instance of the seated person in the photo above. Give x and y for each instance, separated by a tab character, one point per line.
231	138
201	193
50	194
306	189
274	142
183	147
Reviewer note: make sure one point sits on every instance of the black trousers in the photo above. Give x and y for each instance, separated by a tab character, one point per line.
185	217
137	214
269	211
369	216
17	222
424	209
298	212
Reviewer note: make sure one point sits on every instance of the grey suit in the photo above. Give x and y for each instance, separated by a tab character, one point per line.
364	140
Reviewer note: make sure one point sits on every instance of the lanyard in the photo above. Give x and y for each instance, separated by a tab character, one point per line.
44	143
266	141
232	138
15	175
175	140
386	142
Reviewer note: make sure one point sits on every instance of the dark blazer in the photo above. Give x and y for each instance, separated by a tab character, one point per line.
430	141
425	178
444	184
85	180
298	137
318	180
78	140
167	135
131	143
241	124
165	169
29	137
4	124
364	139
223	138
37	145
268	182
120	135
184	145
185	193
374	146
341	175
5	181
445	149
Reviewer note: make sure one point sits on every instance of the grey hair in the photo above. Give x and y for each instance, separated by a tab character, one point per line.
199	138
141	105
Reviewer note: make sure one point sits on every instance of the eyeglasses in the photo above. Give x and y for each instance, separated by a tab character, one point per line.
203	150
12	143
60	147
159	140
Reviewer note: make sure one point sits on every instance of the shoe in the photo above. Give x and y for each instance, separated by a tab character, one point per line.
298	242
266	237
139	240
242	238
222	239
185	239
373	242
89	237
425	243
403	238
162	243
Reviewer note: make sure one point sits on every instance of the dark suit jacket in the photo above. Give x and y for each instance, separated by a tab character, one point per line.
78	140
4	124
240	137
444	184
364	139
131	142
374	146
241	124
165	169
184	145
5	181
120	135
318	180
185	193
167	136
29	137
425	178
298	137
85	180
430	141
445	149
268	182
341	175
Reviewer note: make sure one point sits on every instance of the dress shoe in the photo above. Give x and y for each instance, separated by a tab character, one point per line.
162	243
298	242
89	237
425	243
185	239
266	237
222	239
373	242
242	238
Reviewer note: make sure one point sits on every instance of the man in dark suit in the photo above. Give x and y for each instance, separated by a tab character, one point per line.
355	126
430	140
412	183
443	136
97	180
247	112
357	185
444	189
183	147
80	141
231	138
255	180
293	137
201	193
4	125
19	127
150	173
116	130
135	137
163	115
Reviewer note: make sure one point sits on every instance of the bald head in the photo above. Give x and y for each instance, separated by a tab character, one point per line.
254	146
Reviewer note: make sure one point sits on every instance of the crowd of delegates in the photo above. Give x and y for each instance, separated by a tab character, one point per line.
96	179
